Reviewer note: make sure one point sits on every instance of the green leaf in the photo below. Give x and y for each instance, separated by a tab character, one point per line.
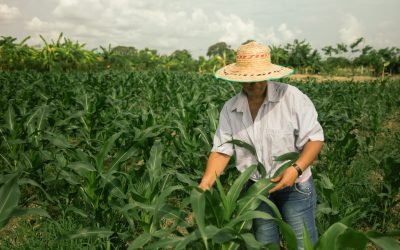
58	140
329	239
385	241
90	233
351	239
236	189
30	211
10	118
102	155
272	205
77	211
308	245
251	242
175	243
24	181
291	156
160	202
224	235
250	200
81	168
224	200
123	157
188	239
217	208
153	165
9	197
325	182
249	215
197	200
288	234
185	179
140	241
283	167
245	145
118	192
261	169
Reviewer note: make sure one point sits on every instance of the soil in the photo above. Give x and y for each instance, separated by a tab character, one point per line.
339	78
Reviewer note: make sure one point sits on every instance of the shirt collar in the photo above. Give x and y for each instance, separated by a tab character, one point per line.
272	96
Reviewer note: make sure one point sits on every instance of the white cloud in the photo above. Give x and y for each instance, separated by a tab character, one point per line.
7	13
35	24
166	26
286	33
351	29
280	35
234	30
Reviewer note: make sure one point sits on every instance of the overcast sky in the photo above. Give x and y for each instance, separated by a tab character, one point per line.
195	25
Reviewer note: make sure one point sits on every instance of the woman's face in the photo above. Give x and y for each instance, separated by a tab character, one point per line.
255	89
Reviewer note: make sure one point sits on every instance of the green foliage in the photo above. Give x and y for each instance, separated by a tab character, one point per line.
9	199
115	159
66	55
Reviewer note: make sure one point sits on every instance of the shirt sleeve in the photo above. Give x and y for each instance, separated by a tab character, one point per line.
223	134
307	125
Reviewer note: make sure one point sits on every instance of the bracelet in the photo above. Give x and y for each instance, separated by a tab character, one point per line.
298	169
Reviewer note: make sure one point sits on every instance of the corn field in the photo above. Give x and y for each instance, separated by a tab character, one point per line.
111	160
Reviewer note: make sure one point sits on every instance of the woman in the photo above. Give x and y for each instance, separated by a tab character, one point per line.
275	118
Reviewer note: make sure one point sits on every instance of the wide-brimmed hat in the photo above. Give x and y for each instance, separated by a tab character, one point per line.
253	64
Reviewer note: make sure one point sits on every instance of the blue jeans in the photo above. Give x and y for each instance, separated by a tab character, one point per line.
297	205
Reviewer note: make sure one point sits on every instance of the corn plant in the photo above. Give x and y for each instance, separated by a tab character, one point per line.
225	222
9	198
86	145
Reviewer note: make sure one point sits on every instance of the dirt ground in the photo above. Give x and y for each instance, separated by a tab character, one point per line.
339	78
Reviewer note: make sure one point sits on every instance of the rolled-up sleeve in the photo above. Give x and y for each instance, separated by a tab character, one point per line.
223	134
307	126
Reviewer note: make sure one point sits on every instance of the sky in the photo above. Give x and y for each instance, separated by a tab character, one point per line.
195	25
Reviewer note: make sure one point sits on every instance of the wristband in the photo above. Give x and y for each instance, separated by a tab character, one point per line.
298	169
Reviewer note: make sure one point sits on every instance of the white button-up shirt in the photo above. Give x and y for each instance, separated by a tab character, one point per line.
286	120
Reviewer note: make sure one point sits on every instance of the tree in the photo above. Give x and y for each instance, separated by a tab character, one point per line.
354	45
125	51
218	49
181	60
248	41
329	50
115	58
341	48
220	55
302	56
279	55
146	59
14	55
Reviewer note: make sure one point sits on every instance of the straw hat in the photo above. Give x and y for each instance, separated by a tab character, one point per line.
253	64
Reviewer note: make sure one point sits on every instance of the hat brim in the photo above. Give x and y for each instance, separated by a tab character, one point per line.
233	73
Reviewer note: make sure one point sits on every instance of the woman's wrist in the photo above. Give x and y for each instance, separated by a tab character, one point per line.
298	169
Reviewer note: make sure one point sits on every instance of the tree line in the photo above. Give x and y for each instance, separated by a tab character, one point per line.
63	54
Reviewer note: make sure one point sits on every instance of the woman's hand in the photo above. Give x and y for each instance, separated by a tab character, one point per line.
286	179
203	186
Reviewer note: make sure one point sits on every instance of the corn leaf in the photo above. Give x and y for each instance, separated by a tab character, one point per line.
224	199
90	233
236	189
197	200
105	149
385	241
306	239
243	144
9	197
153	165
140	241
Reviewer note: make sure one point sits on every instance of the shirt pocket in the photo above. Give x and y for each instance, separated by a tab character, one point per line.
277	142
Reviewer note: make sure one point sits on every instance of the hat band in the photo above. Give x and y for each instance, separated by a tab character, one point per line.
251	56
